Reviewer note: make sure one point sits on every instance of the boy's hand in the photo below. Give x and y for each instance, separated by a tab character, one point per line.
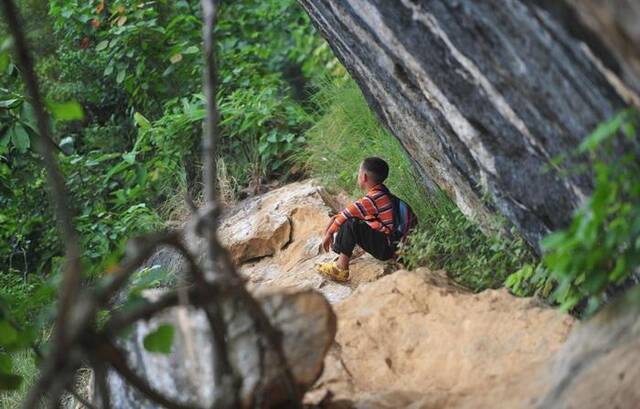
329	225
327	241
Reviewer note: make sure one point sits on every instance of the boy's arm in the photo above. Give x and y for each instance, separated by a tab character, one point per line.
358	209
326	230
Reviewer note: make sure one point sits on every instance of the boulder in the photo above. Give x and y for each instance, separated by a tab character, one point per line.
305	319
275	241
262	225
416	340
599	366
483	95
293	266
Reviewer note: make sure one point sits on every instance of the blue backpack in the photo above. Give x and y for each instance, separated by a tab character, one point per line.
404	220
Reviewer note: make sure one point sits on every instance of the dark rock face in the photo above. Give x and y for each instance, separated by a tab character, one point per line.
482	95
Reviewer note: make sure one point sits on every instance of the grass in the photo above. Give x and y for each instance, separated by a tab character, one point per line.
345	132
25	366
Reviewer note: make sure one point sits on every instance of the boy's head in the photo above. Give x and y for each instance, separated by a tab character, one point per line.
372	171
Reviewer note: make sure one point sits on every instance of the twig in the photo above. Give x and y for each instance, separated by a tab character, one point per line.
222	371
100	376
110	353
142	248
264	328
123	320
210	137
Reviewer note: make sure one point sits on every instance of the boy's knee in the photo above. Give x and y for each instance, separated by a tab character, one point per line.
349	224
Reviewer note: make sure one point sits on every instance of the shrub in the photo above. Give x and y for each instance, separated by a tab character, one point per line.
601	247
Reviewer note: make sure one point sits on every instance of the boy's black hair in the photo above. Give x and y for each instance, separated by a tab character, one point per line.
377	168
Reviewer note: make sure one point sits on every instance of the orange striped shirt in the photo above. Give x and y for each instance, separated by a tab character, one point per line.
375	208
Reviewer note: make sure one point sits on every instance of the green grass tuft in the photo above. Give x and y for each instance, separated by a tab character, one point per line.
24	365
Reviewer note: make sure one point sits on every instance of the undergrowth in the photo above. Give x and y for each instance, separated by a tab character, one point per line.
345	132
23	364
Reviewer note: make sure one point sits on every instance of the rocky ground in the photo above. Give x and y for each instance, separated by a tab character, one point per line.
406	339
412	339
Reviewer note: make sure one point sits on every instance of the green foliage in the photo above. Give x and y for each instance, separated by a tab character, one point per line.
530	279
17	123
66	111
478	261
261	130
24	296
147	47
159	340
345	133
601	247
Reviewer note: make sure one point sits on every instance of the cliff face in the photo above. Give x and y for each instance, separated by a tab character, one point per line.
482	95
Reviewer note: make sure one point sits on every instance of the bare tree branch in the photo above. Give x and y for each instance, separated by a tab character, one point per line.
222	371
141	248
210	138
123	320
110	353
100	376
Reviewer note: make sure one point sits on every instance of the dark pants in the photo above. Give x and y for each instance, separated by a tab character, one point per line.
355	231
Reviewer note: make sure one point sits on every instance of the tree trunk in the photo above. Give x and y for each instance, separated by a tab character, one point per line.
483	95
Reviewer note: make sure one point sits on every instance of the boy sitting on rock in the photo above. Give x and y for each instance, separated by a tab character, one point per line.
367	222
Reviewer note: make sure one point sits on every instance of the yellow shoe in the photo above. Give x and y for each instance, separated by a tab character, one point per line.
333	272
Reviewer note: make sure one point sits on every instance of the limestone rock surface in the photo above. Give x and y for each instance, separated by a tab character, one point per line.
305	319
415	340
599	366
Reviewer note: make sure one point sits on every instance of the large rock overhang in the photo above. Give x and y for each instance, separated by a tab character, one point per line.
482	95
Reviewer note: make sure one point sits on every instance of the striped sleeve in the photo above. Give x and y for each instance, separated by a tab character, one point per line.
357	209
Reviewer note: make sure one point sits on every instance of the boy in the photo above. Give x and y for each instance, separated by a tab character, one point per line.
367	222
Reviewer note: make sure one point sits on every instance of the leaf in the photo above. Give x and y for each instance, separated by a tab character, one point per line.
9	103
5	363
602	132
176	58
102	45
9	382
66	111
20	138
160	340
129	157
8	334
4	60
121	20
109	70
28	118
120	76
191	50
141	121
